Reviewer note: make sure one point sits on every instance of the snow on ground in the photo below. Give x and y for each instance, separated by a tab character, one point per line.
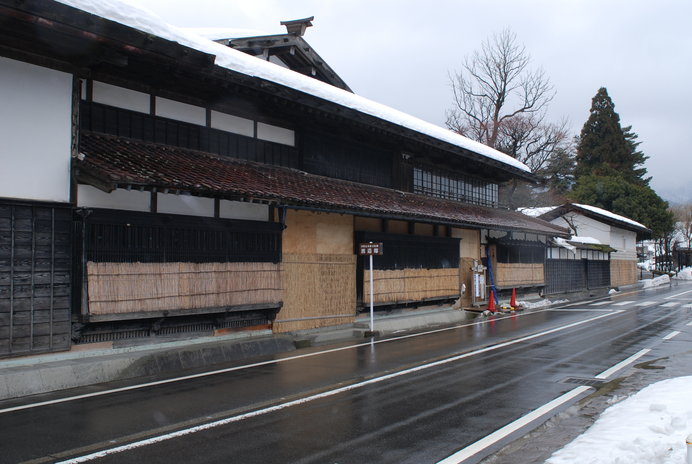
656	281
685	274
539	304
649	427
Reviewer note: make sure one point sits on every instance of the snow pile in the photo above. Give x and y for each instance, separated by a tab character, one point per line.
539	304
685	274
647	428
134	16
657	281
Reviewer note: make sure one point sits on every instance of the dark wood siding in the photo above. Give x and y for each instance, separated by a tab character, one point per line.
335	155
129	237
575	275
104	119
35	275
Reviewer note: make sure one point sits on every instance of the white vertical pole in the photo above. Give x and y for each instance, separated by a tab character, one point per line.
689	449
372	298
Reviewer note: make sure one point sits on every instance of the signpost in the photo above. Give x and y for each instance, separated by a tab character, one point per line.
371	249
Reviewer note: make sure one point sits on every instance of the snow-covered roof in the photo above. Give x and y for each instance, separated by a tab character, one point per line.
146	21
586	240
536	212
218	33
607	213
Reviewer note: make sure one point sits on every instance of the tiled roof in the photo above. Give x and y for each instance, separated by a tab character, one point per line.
121	162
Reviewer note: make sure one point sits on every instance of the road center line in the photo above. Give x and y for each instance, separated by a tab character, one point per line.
677	294
608	372
671	335
336	391
512	427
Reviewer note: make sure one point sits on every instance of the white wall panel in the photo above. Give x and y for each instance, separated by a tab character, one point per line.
181	111
230	123
129	200
185	204
120	97
242	210
35	135
275	134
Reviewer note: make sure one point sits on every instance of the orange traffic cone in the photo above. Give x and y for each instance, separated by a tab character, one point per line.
513	300
491	304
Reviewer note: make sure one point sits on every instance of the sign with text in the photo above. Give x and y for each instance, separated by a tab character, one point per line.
370	249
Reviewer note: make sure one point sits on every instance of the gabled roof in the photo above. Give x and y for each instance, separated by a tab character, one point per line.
237	68
291	49
109	162
550	213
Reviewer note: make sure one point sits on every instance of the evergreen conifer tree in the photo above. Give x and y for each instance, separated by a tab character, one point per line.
610	173
604	147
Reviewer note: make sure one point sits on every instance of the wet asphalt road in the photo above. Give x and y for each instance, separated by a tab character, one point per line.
372	402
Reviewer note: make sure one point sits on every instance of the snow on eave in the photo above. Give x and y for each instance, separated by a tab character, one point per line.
610	215
226	57
537	212
585	240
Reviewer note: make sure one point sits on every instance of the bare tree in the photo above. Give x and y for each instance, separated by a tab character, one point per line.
683	223
527	138
496	90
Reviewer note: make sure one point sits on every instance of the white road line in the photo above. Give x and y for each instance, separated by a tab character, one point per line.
259	364
607	373
671	335
645	303
677	294
600	303
512	427
278	407
671	304
688	306
623	303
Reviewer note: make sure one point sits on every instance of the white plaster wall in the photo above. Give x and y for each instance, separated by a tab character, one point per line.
234	124
185	204
275	134
35	135
586	227
120	97
181	111
242	210
129	200
625	242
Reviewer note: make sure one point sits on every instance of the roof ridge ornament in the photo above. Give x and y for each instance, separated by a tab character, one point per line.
298	26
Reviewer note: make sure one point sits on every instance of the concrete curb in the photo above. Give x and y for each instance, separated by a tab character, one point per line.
77	369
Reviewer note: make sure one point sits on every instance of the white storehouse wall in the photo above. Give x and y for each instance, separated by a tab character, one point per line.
35	121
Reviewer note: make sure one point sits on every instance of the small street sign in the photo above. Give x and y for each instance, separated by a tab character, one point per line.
370	248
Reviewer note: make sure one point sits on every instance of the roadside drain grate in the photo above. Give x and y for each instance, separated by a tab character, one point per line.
586	381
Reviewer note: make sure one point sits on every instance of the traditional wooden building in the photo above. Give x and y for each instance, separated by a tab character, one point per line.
158	183
602	252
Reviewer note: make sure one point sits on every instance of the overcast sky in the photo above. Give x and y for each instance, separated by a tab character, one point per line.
400	53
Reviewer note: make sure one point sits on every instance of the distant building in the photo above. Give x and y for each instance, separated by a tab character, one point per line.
599	231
